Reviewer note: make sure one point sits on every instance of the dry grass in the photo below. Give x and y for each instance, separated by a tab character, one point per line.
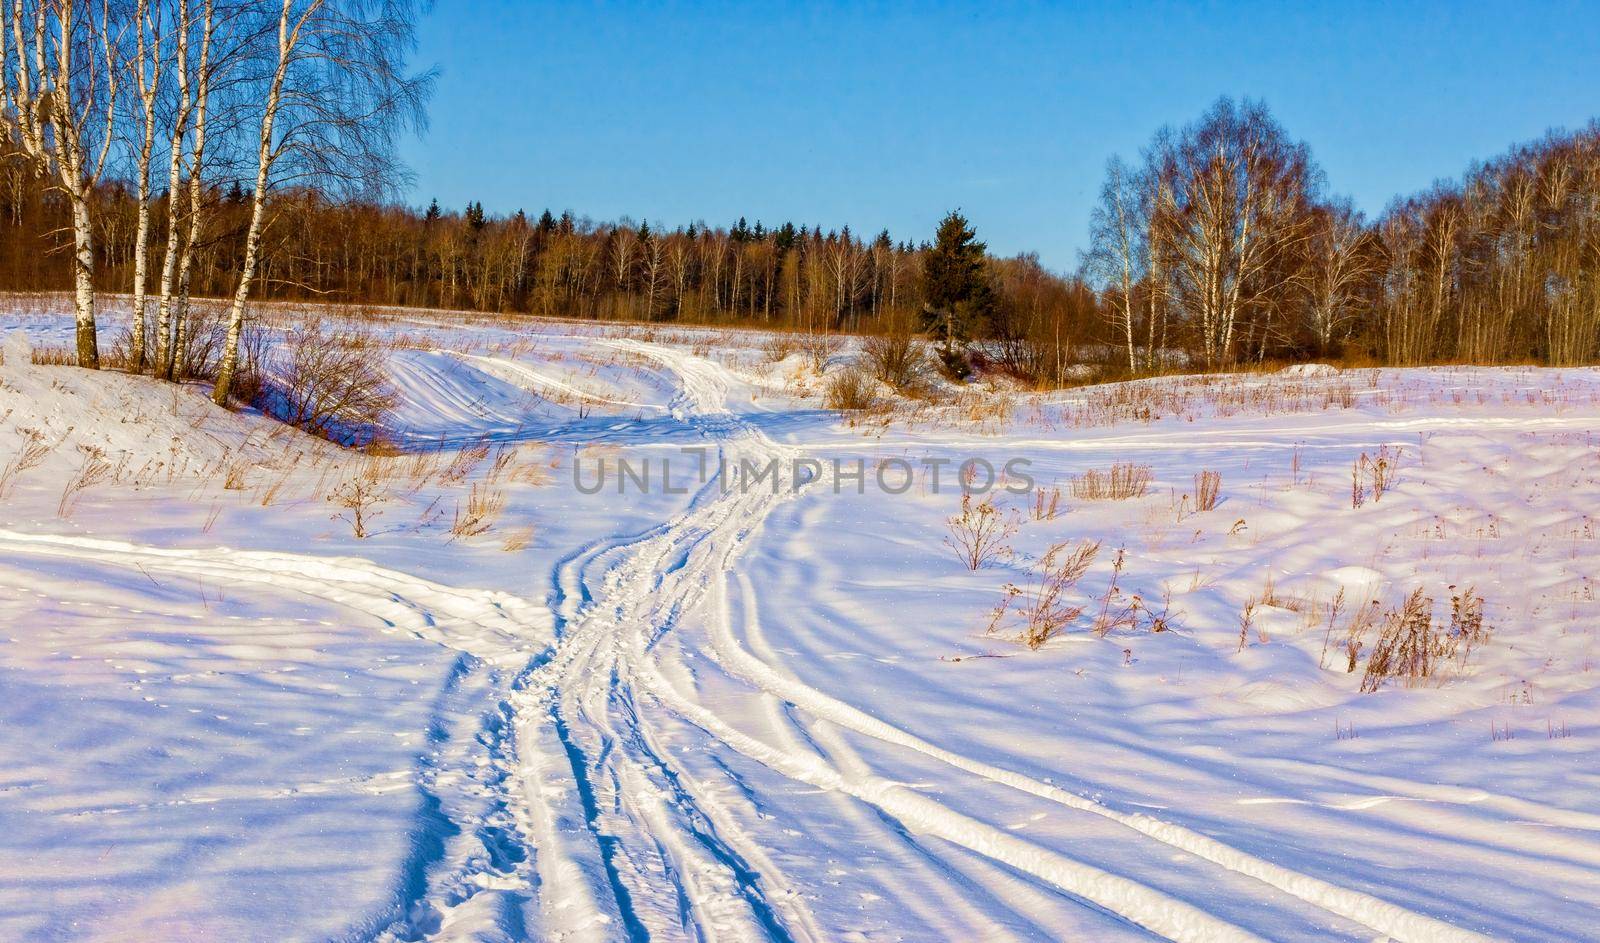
1372	476
465	462
93	471
1039	604
517	539
32	453
1207	488
1046	504
234	475
1412	647
1124	480
478	513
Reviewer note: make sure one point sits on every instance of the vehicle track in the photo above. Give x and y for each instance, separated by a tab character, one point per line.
579	819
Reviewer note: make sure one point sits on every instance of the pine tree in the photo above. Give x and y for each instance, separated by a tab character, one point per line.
958	295
432	215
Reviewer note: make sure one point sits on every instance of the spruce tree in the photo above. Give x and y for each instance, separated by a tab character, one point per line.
957	295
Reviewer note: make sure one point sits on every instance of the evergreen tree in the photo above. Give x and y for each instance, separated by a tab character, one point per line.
958	295
475	217
432	215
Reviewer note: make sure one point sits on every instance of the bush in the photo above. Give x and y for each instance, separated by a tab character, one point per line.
778	347
819	348
895	358
331	383
849	389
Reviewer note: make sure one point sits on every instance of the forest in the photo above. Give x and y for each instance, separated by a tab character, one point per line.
244	151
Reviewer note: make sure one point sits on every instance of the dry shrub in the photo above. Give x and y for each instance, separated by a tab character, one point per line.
478	514
850	390
896	358
331	384
359	496
778	347
979	534
819	349
1039	604
1124	480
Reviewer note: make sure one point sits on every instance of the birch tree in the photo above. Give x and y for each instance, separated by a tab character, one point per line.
146	67
1343	257
58	91
1238	218
333	97
1119	255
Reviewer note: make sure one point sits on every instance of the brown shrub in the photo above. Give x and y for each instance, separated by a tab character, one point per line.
331	384
849	389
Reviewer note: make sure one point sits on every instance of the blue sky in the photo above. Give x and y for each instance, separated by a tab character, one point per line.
886	115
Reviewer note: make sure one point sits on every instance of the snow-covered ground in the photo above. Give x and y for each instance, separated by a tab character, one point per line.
715	705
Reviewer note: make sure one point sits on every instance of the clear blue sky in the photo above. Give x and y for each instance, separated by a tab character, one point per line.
888	115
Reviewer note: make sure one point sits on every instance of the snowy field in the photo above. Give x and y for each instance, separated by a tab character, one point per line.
540	699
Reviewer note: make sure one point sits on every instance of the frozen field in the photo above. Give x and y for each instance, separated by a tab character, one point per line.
540	699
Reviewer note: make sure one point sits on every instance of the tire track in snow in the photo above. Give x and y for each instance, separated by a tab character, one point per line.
640	598
703	397
482	870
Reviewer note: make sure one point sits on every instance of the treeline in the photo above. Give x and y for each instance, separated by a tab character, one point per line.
797	278
1223	241
240	149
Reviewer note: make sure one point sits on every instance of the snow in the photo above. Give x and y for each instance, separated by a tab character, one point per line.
727	710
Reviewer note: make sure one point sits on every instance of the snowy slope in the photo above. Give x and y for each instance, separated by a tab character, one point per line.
723	710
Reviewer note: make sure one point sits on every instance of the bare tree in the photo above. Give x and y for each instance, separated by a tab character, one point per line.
1238	217
147	64
332	104
1343	258
58	90
1119	255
